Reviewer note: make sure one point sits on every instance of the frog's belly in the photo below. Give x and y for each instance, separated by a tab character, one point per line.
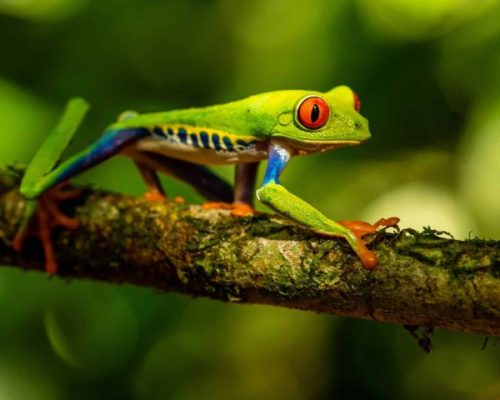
197	155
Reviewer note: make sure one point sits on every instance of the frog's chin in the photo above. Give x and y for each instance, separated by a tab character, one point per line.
307	147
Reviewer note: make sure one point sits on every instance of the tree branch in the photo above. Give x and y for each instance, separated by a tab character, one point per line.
423	279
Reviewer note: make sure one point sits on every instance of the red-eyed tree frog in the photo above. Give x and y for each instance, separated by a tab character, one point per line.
272	126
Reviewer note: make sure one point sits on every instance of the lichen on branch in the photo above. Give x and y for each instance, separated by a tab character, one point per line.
423	278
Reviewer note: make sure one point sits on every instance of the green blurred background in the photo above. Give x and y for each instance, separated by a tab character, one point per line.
427	73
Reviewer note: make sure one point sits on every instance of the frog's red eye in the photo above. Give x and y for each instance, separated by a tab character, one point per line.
357	103
313	112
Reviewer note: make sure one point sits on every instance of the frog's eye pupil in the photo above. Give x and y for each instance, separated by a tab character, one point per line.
313	112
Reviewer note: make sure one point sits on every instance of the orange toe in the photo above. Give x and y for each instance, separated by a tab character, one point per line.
360	229
210	205
242	210
48	216
44	227
154	196
392	221
59	218
237	209
179	200
367	257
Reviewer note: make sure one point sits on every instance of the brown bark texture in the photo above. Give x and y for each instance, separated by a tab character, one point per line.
424	278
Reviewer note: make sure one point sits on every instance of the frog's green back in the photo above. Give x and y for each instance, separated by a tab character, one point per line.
243	117
268	115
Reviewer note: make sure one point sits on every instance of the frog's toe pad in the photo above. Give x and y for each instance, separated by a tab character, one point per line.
361	228
242	210
154	196
48	216
387	222
237	209
368	259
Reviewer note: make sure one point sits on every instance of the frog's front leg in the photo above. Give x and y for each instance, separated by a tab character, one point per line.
274	195
204	181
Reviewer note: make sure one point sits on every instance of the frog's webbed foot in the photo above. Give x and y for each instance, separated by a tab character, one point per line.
154	196
238	209
47	217
360	229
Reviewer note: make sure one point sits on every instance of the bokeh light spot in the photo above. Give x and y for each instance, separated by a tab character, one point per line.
96	334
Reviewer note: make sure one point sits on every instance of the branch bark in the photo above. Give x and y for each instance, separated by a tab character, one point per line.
423	279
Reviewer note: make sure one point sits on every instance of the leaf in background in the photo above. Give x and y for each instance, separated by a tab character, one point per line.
24	122
42	9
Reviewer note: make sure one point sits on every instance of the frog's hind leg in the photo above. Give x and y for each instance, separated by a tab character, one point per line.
42	216
204	181
244	178
155	190
45	182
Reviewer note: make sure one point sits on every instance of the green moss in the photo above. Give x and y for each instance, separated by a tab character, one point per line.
264	259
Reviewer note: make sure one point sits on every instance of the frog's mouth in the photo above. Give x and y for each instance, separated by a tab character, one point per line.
313	146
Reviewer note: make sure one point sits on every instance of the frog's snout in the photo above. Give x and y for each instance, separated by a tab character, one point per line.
360	129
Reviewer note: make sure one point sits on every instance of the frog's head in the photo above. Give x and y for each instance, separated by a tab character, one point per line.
314	121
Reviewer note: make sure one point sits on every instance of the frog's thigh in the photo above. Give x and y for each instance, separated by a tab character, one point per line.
204	181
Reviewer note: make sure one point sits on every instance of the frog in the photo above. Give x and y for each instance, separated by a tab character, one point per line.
272	126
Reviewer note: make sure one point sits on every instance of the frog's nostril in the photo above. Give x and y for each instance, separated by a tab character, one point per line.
357	124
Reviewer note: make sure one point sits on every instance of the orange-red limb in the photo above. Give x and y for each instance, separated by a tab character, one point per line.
47	216
360	229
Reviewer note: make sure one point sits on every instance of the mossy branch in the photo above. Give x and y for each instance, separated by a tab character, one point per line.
423	279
